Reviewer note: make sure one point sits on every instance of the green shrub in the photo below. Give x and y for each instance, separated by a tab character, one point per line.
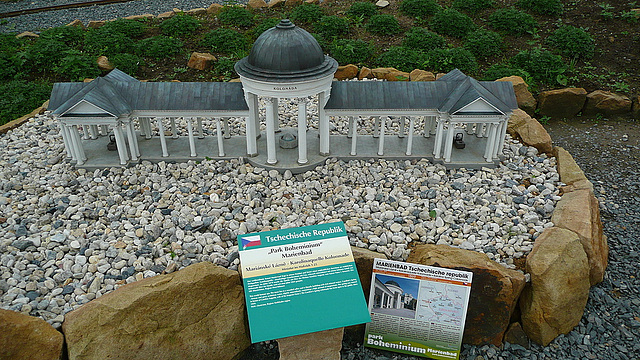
383	25
362	9
572	42
129	28
21	97
76	66
473	5
306	14
543	7
9	42
236	16
483	44
422	39
159	47
499	71
419	8
224	68
333	26
402	58
129	63
104	42
347	51
445	60
179	25
9	65
263	26
70	35
44	52
225	41
512	21
541	64
452	22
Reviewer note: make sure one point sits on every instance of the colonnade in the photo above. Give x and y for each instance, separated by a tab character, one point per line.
73	143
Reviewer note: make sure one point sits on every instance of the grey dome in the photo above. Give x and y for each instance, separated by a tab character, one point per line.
286	53
391	282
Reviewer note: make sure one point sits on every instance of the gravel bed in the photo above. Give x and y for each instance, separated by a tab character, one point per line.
44	20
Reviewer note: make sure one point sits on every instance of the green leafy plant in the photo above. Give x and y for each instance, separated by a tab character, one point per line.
572	42
225	40
179	25
45	52
263	26
473	5
445	60
452	22
483	44
159	47
498	71
306	14
77	66
422	39
620	86
383	24
362	9
433	214
401	58
25	96
129	28
630	16
102	41
224	68
544	120
542	7
606	11
9	65
236	16
512	21
129	63
419	8
330	27
70	35
541	64
348	51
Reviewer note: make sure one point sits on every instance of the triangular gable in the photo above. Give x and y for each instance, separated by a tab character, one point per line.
479	106
84	107
119	75
99	93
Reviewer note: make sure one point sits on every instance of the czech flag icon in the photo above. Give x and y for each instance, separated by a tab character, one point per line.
248	241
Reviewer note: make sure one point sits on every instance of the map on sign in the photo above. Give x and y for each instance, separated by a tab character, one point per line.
442	303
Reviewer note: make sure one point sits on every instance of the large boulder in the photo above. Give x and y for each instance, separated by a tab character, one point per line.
24	337
578	211
554	302
494	289
635	108
346	72
421	75
365	73
562	103
364	263
194	313
390	74
256	4
526	101
607	103
529	130
322	345
104	64
569	171
201	61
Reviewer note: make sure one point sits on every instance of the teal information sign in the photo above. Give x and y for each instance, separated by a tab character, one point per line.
300	280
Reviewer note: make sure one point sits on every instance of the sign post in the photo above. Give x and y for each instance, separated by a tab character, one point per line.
418	310
300	280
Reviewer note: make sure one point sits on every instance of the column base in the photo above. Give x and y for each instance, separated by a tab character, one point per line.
273	162
324	154
303	162
252	155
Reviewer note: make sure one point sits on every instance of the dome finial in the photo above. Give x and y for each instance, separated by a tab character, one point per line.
285	24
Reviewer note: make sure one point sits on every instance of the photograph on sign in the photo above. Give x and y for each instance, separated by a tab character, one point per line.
300	280
417	309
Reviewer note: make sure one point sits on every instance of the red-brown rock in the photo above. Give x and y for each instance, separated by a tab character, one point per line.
256	4
390	74
365	73
494	291
529	130
201	61
526	101
421	75
607	103
322	345
104	64
214	9
24	337
346	72
562	103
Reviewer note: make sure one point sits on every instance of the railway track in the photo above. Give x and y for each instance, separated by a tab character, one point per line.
59	7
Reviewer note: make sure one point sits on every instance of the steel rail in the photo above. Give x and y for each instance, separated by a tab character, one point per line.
59	7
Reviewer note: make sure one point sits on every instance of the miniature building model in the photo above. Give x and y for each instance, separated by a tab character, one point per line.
391	296
284	62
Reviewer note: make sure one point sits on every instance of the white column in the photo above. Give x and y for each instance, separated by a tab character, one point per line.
250	125
85	131
376	126
200	129
72	145
163	140
220	138
104	130
77	145
410	140
323	125
227	133
449	142
354	134
381	141
122	146
192	139
490	142
469	128
402	119
143	129
271	131
502	133
302	131
174	128
438	142
253	101
349	127
133	142
65	139
93	129
276	114
147	125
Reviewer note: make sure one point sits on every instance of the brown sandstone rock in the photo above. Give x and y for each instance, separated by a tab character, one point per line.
214	9
291	3
94	24
635	108
235	80
323	345
526	101
140	17
256	4
24	337
568	169
364	263
529	130
421	75
201	61
276	3
382	3
607	103
365	73
196	11
104	64
311	1
195	313
166	15
76	23
515	335
346	72
439	75
578	211
554	302
562	103
390	74
27	34
495	289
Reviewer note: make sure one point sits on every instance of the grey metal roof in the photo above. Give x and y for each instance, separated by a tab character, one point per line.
119	75
286	53
119	95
